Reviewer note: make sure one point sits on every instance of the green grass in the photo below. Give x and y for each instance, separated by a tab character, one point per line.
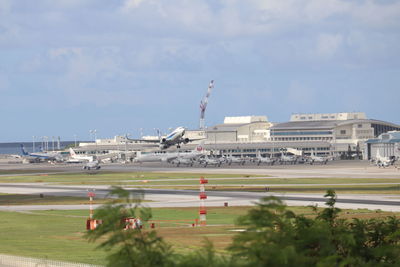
20	199
52	237
109	177
58	234
340	189
26	171
266	181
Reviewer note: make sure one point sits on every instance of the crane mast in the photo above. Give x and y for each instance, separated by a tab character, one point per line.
203	105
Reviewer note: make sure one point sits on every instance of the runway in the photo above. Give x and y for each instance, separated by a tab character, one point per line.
188	198
334	169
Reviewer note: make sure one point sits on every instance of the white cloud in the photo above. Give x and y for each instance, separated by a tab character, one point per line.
5	6
374	15
131	4
328	44
64	51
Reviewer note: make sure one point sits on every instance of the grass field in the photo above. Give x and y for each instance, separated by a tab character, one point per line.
21	199
224	182
59	234
109	177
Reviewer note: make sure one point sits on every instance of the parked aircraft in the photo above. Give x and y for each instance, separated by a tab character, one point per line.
210	161
182	161
238	160
75	158
286	159
164	156
260	159
317	159
381	161
176	137
54	156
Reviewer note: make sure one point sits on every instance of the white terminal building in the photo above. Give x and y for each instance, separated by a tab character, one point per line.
324	133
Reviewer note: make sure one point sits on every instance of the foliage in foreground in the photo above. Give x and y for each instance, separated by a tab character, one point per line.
273	236
128	247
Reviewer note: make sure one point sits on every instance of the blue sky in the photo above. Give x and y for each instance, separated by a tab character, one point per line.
68	66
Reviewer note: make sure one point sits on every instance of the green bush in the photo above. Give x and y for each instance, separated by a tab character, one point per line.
273	236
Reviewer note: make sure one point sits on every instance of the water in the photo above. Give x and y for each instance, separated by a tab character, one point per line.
15	148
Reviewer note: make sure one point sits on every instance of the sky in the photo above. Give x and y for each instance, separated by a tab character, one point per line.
130	66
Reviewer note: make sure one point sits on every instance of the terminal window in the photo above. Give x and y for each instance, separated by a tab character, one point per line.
342	131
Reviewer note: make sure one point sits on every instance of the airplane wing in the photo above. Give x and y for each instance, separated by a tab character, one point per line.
144	140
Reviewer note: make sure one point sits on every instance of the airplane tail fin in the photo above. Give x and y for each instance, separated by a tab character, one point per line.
23	150
258	154
200	147
72	152
158	134
378	154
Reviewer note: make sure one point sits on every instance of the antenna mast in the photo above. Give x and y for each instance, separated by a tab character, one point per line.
203	105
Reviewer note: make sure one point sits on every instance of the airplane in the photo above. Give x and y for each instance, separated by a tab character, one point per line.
317	159
92	165
54	156
210	161
155	157
75	158
176	137
287	159
231	159
260	159
382	161
182	161
163	156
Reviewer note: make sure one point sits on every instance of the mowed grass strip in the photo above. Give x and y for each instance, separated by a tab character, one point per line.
37	199
52	237
58	234
26	171
339	189
270	181
112	177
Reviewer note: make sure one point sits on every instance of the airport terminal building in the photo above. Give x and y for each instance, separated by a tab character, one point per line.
387	144
326	134
332	134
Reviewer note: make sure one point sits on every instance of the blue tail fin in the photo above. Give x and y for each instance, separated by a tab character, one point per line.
23	150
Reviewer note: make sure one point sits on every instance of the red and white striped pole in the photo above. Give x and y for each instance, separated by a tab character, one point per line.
91	225
91	195
202	196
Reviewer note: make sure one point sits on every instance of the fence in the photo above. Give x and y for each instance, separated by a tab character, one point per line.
16	261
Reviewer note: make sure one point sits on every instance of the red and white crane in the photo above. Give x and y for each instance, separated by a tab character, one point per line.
203	105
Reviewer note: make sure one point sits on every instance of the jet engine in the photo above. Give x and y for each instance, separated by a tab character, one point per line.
186	140
162	146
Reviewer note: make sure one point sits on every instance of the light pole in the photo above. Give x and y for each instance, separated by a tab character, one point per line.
33	143
75	139
95	137
126	145
93	133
